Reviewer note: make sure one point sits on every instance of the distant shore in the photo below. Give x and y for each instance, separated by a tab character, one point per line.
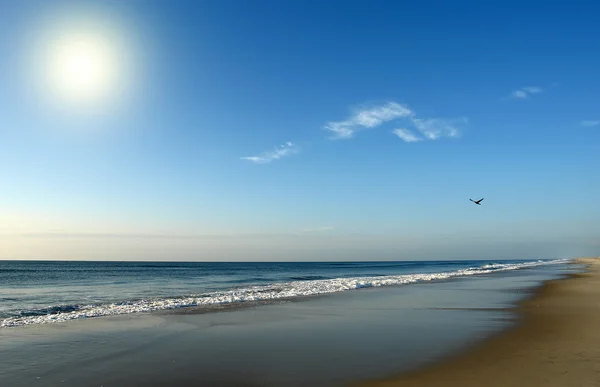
557	343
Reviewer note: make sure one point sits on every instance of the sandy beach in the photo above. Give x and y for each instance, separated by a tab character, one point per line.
324	341
335	340
557	343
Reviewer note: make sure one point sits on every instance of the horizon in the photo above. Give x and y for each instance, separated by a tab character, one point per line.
266	131
293	262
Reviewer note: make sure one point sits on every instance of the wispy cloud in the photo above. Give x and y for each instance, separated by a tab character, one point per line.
590	123
434	128
279	152
519	94
373	116
525	92
406	135
533	89
366	118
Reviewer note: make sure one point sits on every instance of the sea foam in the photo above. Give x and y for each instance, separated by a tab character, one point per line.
262	293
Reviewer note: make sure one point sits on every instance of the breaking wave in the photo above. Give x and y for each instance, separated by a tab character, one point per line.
261	293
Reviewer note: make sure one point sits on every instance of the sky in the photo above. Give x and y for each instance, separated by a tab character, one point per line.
299	130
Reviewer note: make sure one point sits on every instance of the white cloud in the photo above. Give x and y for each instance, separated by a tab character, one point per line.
533	89
406	135
367	118
519	94
590	123
525	92
280	151
430	128
434	128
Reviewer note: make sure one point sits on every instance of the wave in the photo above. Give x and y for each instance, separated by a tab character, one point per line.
264	293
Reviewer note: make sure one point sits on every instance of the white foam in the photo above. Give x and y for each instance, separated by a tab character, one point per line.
271	292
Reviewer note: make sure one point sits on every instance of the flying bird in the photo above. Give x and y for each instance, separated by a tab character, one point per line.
478	202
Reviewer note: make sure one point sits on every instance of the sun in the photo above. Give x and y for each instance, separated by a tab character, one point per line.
83	61
82	67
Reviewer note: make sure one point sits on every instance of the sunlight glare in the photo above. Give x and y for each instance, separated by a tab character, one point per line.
82	67
83	59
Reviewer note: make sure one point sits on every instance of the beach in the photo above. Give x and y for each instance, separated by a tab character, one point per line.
362	336
557	343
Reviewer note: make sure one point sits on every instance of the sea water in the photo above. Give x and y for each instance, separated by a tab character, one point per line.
39	292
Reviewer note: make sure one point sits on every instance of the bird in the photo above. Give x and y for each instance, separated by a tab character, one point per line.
478	202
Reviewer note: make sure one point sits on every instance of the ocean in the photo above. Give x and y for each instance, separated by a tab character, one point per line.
41	292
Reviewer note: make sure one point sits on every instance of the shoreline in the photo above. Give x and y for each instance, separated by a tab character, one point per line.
326	341
555	342
252	295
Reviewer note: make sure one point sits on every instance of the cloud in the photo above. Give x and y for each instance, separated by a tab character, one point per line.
525	92
371	117
590	123
519	94
280	151
406	135
367	118
434	128
533	89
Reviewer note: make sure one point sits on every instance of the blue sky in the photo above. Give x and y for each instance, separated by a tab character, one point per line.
288	130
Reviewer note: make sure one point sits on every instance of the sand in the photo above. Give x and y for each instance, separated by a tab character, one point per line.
557	343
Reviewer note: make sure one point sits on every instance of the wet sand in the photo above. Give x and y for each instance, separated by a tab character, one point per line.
557	343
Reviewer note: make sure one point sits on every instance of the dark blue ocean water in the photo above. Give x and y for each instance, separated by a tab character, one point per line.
35	292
